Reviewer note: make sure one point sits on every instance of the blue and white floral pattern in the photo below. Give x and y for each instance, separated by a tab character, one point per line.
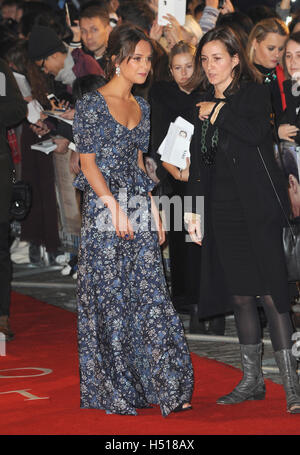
132	349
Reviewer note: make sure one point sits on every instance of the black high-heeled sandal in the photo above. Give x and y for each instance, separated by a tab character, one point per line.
180	408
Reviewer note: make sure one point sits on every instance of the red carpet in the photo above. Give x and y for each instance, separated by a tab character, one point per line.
46	340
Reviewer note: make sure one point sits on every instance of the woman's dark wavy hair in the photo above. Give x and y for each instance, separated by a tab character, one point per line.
243	71
121	45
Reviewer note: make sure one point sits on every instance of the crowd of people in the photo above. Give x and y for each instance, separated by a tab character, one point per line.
120	79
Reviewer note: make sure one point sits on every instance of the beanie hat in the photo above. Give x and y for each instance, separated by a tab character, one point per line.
43	41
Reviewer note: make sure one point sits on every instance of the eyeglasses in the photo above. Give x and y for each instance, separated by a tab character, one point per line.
42	67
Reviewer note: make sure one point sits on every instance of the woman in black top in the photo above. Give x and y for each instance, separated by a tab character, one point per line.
265	51
241	248
169	100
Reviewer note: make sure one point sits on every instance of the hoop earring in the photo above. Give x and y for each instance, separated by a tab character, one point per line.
118	71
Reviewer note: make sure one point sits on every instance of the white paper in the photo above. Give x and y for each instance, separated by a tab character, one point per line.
175	7
34	111
22	84
175	148
46	146
57	116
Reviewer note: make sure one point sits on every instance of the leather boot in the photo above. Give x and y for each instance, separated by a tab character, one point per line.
287	364
252	386
196	326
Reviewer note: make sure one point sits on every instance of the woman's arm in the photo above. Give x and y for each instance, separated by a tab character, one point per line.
95	178
178	174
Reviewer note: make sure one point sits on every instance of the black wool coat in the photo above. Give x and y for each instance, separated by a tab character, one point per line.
13	109
244	125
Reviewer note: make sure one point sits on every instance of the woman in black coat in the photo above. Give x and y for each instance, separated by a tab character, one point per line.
12	111
243	221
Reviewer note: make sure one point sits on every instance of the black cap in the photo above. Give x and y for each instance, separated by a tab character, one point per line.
43	41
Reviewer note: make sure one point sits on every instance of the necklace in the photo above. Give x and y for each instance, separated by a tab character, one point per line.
271	76
208	154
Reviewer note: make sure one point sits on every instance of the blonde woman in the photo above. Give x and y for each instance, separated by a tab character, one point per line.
265	51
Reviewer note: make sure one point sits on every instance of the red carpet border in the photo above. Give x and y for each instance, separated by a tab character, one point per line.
39	389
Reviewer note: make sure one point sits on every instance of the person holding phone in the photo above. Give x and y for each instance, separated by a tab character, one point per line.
132	349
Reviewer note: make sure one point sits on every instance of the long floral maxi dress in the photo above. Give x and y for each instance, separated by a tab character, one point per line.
132	350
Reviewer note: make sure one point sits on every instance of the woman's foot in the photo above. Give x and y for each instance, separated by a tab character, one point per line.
183	407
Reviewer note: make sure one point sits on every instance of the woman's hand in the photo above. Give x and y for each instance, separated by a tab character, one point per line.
74	163
120	220
193	222
286	132
172	31
40	128
156	31
76	31
205	109
68	115
227	7
212	3
186	172
158	223
62	144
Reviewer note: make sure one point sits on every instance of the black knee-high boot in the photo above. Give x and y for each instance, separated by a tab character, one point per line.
252	386
287	364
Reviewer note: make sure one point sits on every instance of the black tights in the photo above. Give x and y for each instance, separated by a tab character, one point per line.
248	322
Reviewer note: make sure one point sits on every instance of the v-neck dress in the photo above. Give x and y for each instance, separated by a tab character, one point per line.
132	350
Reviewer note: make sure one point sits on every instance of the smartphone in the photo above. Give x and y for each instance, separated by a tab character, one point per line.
175	7
53	98
221	3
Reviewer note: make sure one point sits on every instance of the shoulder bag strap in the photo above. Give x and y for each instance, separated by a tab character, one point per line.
277	195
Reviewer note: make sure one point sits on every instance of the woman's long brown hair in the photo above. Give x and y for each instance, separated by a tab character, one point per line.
243	71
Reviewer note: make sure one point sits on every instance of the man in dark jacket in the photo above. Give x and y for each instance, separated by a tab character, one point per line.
95	29
12	111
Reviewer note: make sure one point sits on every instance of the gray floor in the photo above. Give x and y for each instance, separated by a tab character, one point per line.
47	284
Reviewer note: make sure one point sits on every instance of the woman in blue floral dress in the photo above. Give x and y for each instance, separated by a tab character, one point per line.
132	349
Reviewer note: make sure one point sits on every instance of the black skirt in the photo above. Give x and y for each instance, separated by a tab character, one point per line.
235	250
